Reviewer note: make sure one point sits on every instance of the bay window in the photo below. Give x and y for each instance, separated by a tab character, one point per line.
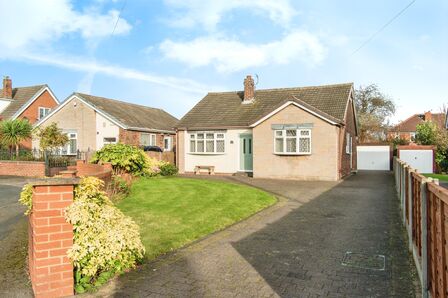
207	142
292	141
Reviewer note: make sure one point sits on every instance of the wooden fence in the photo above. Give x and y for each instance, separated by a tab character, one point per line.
425	215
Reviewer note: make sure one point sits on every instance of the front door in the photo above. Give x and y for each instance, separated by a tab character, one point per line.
246	160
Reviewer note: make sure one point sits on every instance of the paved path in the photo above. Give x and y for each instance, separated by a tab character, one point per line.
293	249
13	240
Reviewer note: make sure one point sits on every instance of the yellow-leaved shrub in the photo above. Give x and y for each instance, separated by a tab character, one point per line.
106	241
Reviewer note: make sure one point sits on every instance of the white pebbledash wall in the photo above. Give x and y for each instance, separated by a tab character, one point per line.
105	129
228	162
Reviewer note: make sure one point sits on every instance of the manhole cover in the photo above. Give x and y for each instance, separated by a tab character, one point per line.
364	261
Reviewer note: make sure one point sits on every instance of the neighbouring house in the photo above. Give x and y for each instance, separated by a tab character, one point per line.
32	103
92	121
304	133
406	129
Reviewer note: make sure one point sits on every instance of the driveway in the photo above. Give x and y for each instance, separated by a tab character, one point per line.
323	239
13	240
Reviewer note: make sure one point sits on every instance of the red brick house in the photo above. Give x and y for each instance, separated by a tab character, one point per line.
406	129
92	122
32	103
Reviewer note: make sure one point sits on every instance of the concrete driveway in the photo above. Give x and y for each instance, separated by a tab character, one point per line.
323	239
13	240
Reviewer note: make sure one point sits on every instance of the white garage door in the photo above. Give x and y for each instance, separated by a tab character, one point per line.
373	158
421	160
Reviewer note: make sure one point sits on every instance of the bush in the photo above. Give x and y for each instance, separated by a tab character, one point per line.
124	159
106	242
167	169
118	187
26	198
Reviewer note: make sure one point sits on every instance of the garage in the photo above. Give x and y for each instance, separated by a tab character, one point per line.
372	157
420	158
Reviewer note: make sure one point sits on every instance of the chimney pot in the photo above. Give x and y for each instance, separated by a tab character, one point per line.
249	89
7	87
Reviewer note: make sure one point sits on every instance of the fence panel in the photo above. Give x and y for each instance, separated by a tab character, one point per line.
437	229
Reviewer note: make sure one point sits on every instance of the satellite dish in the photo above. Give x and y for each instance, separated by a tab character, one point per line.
256	83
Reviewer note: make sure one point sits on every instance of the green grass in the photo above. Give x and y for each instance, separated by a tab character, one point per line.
173	212
441	177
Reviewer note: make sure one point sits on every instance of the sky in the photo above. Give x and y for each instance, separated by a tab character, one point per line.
169	53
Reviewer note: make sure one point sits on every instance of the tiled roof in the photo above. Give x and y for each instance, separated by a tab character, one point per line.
20	96
225	109
410	124
132	115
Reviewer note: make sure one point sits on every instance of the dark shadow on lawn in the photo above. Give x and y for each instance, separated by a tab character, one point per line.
301	254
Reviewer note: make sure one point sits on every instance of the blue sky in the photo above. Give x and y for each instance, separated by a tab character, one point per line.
168	54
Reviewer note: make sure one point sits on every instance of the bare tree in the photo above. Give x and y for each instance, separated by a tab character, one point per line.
373	108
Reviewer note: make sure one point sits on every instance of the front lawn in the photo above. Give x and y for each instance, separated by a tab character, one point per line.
441	177
173	212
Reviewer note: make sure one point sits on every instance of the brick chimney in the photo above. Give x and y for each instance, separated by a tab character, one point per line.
7	87
249	89
428	116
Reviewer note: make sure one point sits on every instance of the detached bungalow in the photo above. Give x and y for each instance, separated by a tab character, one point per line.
305	133
92	121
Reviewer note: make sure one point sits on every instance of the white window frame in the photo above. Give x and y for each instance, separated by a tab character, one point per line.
152	139
298	136
348	143
215	139
68	144
106	142
48	110
170	143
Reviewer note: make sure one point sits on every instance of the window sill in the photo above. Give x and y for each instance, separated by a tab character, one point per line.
206	153
291	154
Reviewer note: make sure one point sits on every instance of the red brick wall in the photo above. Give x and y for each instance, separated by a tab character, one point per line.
45	100
22	168
102	171
350	127
132	137
50	236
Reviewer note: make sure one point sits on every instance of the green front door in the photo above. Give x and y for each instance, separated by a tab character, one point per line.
246	160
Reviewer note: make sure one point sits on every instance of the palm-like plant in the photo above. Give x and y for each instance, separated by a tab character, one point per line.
13	132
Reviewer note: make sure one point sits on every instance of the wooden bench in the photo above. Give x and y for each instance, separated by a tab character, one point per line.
210	169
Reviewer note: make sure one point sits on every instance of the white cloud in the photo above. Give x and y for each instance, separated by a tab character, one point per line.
229	55
90	66
208	13
27	23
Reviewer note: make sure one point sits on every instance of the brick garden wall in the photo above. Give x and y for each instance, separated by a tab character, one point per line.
50	236
22	168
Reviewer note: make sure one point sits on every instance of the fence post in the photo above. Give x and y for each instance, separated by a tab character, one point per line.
403	193
47	163
424	222
410	209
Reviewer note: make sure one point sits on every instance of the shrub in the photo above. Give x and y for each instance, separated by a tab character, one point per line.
26	198
167	169
119	187
152	166
106	242
124	158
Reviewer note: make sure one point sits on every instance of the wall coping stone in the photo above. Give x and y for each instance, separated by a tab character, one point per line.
54	181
